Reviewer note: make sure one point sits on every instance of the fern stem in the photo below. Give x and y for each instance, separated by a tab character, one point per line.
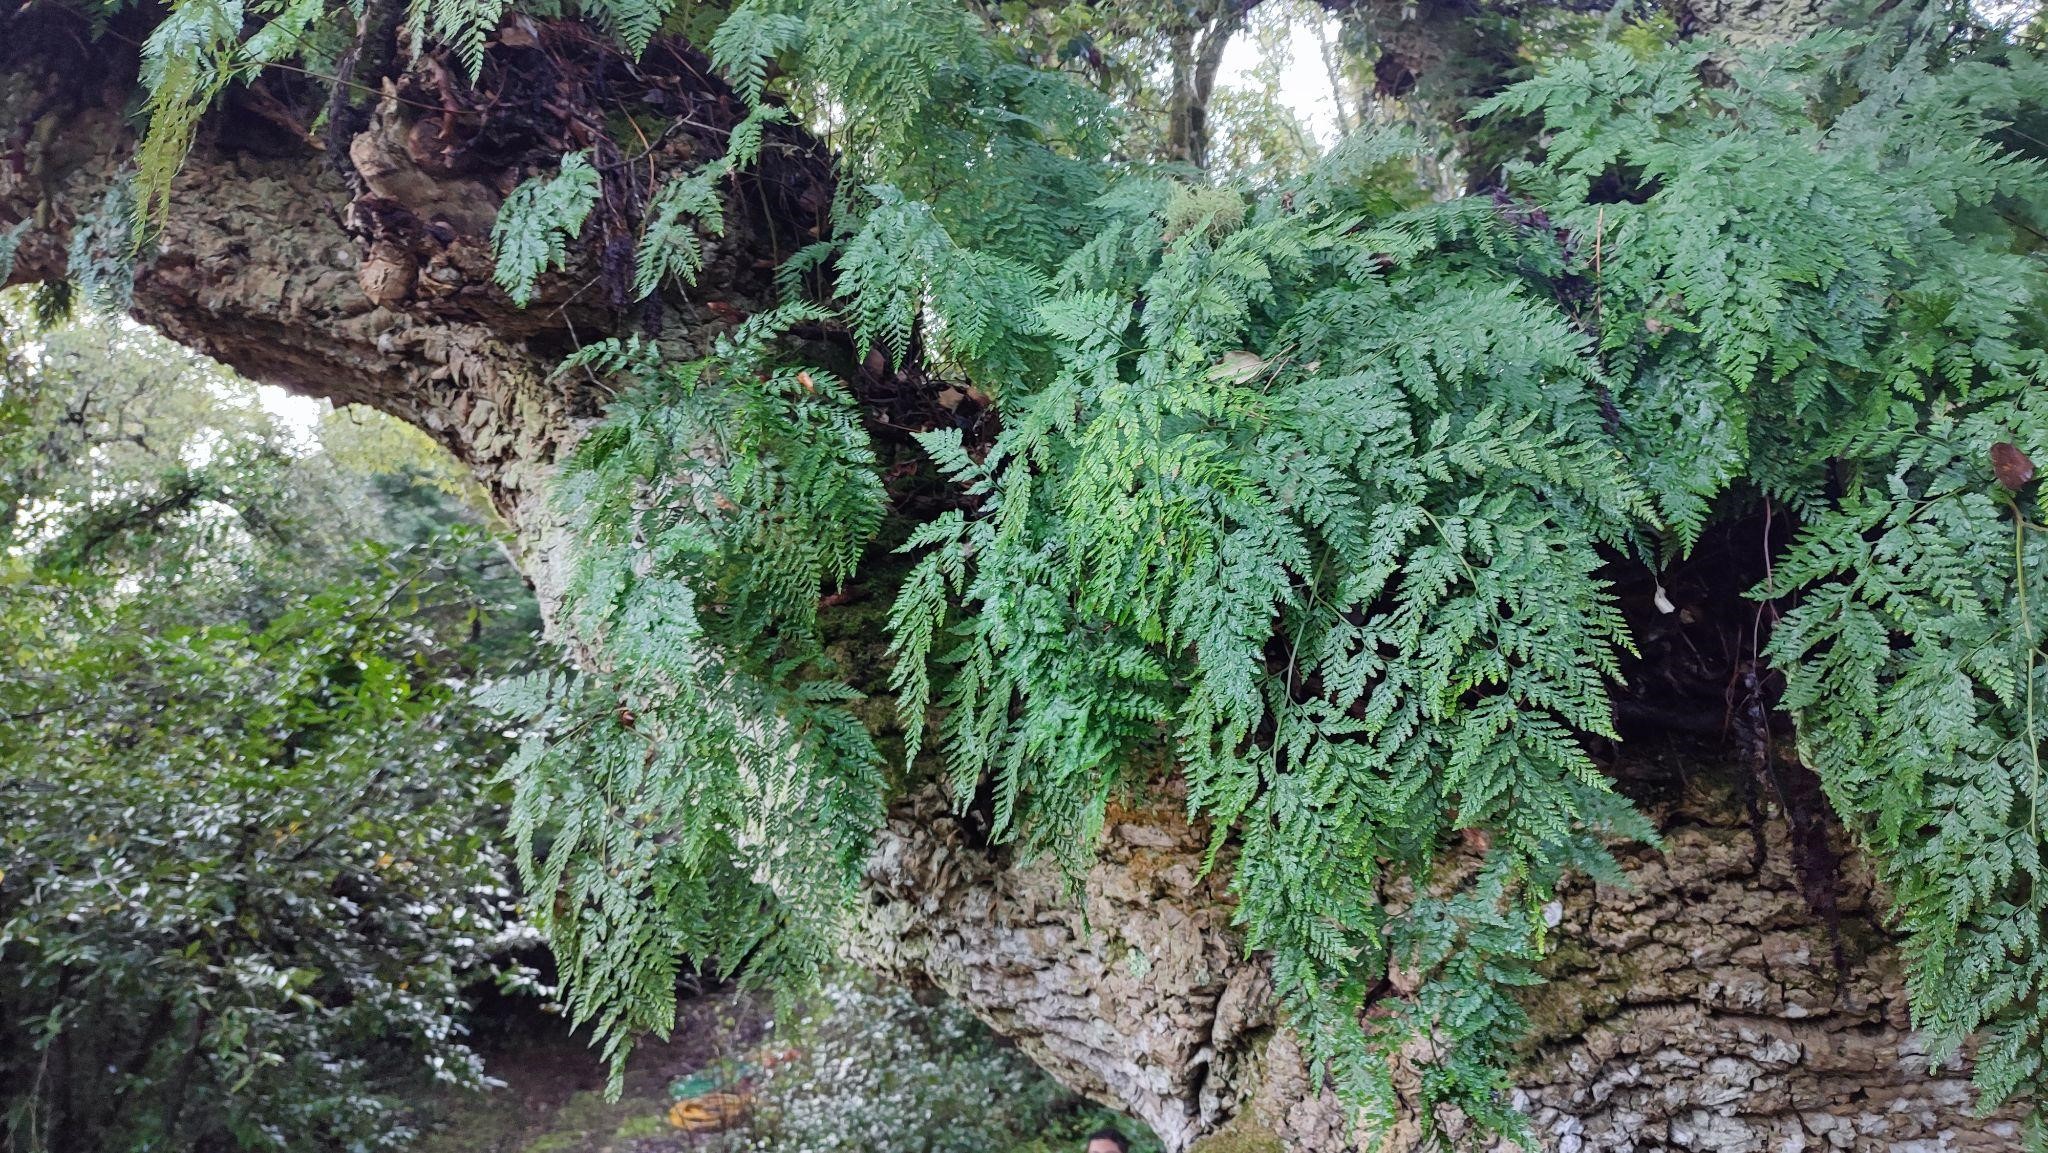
2019	565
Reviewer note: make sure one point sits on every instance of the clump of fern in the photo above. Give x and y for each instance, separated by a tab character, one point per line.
702	791
1839	308
1331	524
1312	491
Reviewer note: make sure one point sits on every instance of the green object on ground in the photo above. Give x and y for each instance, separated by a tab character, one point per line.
695	1085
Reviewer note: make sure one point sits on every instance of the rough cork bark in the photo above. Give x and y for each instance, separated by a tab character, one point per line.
1698	1008
1701	1008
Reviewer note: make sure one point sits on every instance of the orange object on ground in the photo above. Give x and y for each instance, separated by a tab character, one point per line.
709	1113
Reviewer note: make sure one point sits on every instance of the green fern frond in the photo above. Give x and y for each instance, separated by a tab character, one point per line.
748	39
186	62
669	248
536	224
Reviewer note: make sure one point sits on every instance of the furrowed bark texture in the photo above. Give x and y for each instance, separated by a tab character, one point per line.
1699	1009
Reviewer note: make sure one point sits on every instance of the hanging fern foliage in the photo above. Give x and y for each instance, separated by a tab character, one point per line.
1318	494
1313	494
538	222
706	794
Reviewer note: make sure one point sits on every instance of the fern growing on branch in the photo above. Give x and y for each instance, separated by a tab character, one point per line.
1314	495
537	223
1319	496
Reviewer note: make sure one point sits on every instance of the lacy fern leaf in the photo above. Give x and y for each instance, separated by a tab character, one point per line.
538	221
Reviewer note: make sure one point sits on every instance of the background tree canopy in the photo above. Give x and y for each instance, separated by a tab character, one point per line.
247	865
1332	499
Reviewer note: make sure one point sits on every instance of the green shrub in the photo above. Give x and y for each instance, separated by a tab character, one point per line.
246	865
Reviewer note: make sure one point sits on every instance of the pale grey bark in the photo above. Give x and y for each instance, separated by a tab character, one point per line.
1697	1008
